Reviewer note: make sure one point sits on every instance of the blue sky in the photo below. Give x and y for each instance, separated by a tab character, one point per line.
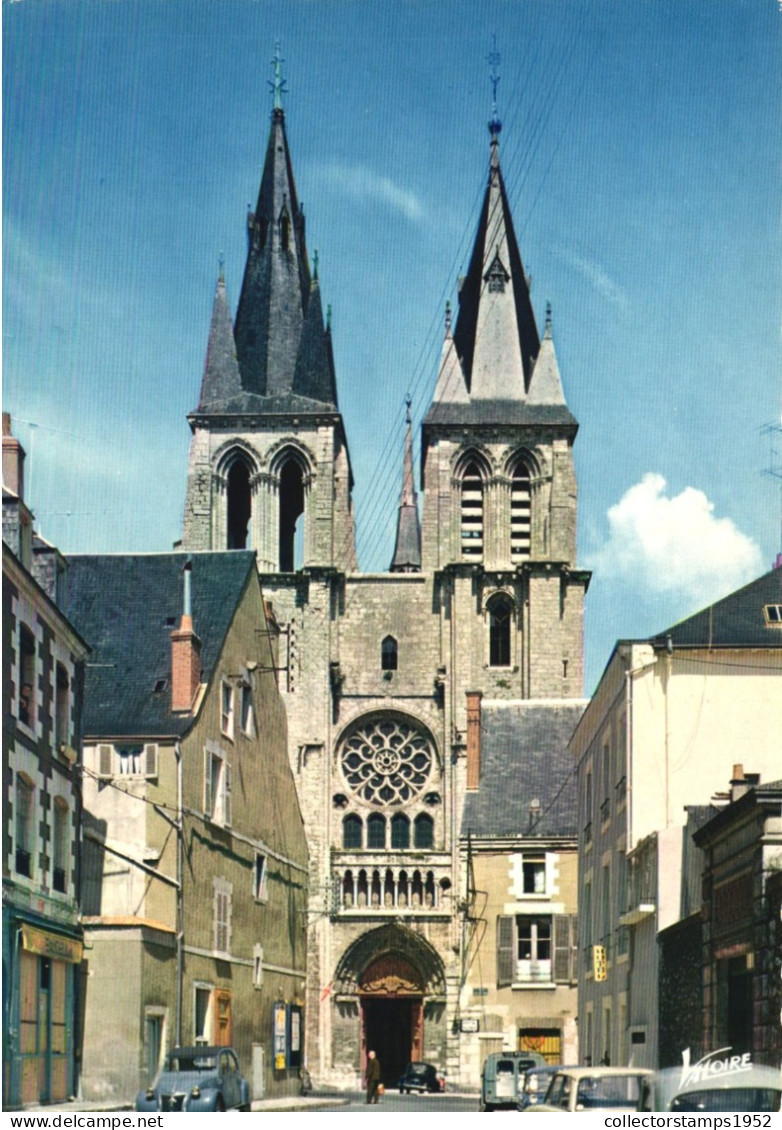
641	149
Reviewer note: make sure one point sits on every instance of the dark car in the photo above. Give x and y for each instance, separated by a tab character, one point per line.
422	1077
197	1079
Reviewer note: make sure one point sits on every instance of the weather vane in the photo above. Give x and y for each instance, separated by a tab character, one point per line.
493	59
278	86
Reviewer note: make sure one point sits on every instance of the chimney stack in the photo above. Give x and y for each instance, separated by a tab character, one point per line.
13	459
185	653
473	738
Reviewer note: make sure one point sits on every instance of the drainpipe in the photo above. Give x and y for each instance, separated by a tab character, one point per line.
180	922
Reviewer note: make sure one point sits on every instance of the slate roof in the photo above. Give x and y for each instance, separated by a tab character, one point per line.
508	411
735	621
126	606
524	757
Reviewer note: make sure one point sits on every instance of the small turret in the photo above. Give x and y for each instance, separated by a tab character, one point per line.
407	553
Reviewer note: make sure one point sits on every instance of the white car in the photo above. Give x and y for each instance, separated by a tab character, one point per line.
718	1082
576	1089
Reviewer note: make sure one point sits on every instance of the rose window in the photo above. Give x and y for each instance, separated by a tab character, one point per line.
386	760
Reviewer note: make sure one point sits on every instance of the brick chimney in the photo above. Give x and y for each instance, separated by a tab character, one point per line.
13	459
185	654
473	738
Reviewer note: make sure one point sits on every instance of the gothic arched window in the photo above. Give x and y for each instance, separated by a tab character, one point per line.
239	505
520	525
500	623
472	512
423	831
400	832
291	510
376	831
389	654
352	832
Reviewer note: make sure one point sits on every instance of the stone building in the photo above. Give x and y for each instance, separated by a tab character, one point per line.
195	860
483	596
656	742
43	671
519	857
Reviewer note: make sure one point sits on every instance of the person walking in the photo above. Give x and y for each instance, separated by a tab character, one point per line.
373	1078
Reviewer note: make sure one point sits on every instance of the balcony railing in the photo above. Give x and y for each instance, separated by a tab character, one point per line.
409	888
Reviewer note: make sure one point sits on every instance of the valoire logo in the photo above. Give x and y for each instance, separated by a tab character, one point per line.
710	1067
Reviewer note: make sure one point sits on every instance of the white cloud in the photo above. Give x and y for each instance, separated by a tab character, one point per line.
675	544
362	184
595	275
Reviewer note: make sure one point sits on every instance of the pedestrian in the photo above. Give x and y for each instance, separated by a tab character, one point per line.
373	1078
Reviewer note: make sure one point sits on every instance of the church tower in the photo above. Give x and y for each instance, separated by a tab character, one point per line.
269	465
497	472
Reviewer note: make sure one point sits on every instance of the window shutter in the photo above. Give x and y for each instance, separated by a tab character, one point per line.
208	783
105	760
227	809
150	760
564	948
505	939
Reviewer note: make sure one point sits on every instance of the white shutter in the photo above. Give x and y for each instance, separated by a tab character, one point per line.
227	804
208	784
150	760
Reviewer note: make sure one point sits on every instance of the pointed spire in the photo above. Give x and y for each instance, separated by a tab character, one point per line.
221	378
546	384
278	86
495	335
450	387
407	552
276	284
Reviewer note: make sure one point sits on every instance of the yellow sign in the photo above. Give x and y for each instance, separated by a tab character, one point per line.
55	946
599	963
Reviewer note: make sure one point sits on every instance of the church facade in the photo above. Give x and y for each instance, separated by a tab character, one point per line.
381	672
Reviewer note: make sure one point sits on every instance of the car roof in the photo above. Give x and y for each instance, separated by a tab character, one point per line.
597	1072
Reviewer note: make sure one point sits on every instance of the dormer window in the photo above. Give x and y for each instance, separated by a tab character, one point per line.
772	614
496	277
389	656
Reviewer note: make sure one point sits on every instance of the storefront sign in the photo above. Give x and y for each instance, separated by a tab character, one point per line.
469	1024
55	946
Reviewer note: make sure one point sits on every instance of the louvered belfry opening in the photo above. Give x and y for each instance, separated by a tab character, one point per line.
472	513
520	513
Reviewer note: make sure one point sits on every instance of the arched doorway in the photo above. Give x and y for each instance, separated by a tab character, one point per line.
391	1001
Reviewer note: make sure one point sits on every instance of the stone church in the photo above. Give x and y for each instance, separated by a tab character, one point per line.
482	598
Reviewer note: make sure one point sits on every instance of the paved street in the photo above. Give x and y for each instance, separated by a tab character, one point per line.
393	1101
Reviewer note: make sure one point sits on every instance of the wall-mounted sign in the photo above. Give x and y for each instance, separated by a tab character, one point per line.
599	966
469	1024
279	1034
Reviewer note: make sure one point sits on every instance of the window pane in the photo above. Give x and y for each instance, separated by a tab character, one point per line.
499	635
351	832
424	831
376	831
400	832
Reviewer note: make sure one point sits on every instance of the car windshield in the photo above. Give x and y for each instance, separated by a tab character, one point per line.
505	1067
755	1099
177	1062
608	1090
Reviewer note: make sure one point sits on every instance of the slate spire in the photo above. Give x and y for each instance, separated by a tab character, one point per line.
495	336
407	552
274	303
221	378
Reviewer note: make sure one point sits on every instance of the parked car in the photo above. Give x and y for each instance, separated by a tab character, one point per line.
197	1079
533	1084
422	1077
594	1088
717	1082
500	1077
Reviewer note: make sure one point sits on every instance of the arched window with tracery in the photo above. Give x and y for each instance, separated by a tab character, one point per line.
471	531
239	505
500	624
291	542
520	513
376	832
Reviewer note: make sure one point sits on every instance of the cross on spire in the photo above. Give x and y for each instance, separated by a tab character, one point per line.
493	59
278	87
